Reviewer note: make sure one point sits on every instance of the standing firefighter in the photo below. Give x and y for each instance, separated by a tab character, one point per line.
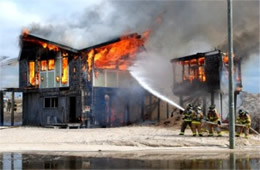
187	118
197	116
214	120
243	123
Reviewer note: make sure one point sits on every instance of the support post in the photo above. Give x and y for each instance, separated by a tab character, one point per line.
12	109
204	105
212	97
221	106
230	75
1	108
167	110
127	114
181	103
159	109
142	107
235	103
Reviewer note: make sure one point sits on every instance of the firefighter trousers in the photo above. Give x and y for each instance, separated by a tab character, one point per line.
211	127
196	126
184	125
241	129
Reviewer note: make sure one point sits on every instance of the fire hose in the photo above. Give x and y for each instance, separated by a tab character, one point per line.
226	124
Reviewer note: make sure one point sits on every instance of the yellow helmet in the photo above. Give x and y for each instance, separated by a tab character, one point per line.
189	106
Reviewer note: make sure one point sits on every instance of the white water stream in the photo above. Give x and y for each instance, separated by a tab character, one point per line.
146	86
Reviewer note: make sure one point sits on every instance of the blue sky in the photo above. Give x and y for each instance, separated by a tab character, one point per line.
15	15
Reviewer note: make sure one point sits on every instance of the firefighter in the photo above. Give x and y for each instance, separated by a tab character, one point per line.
187	118
214	121
243	122
197	116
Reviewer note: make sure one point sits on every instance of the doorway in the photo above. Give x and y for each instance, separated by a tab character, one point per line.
72	115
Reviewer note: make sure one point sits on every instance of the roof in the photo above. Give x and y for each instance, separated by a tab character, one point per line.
51	42
76	51
110	42
198	55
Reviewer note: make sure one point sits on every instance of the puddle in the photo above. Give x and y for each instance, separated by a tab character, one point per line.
45	161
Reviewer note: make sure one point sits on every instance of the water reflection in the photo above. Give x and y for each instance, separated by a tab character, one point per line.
38	161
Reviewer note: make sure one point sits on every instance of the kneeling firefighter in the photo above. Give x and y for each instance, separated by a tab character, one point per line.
214	120
197	116
243	123
187	118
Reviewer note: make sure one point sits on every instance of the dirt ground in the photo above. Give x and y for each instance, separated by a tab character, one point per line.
134	138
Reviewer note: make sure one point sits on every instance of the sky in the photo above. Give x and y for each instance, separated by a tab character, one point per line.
187	27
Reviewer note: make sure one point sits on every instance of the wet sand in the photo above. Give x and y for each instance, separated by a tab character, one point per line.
123	139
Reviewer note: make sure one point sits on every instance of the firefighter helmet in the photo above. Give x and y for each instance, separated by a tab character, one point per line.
212	107
189	106
198	108
240	112
245	112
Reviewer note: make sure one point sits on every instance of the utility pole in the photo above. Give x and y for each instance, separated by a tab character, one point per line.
230	75
12	109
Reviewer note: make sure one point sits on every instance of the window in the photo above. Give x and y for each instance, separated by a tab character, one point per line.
51	102
51	64
43	65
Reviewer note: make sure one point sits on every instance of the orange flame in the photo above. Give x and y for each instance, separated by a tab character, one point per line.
51	47
64	79
118	55
225	58
25	32
51	64
43	65
32	73
195	73
239	89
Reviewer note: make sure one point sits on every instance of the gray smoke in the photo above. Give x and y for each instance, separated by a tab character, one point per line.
178	28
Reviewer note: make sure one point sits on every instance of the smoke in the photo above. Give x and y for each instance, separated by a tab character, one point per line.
155	81
178	28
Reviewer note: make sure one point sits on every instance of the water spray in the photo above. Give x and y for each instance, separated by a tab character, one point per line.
154	92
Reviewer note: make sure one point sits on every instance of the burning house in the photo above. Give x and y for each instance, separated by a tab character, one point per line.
202	76
63	85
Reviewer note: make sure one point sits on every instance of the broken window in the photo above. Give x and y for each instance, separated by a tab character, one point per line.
51	102
64	79
43	65
51	64
32	73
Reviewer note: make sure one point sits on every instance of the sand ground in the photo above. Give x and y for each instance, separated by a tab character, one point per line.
123	139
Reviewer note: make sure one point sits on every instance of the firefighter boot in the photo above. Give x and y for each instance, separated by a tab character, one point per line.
219	134
181	133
